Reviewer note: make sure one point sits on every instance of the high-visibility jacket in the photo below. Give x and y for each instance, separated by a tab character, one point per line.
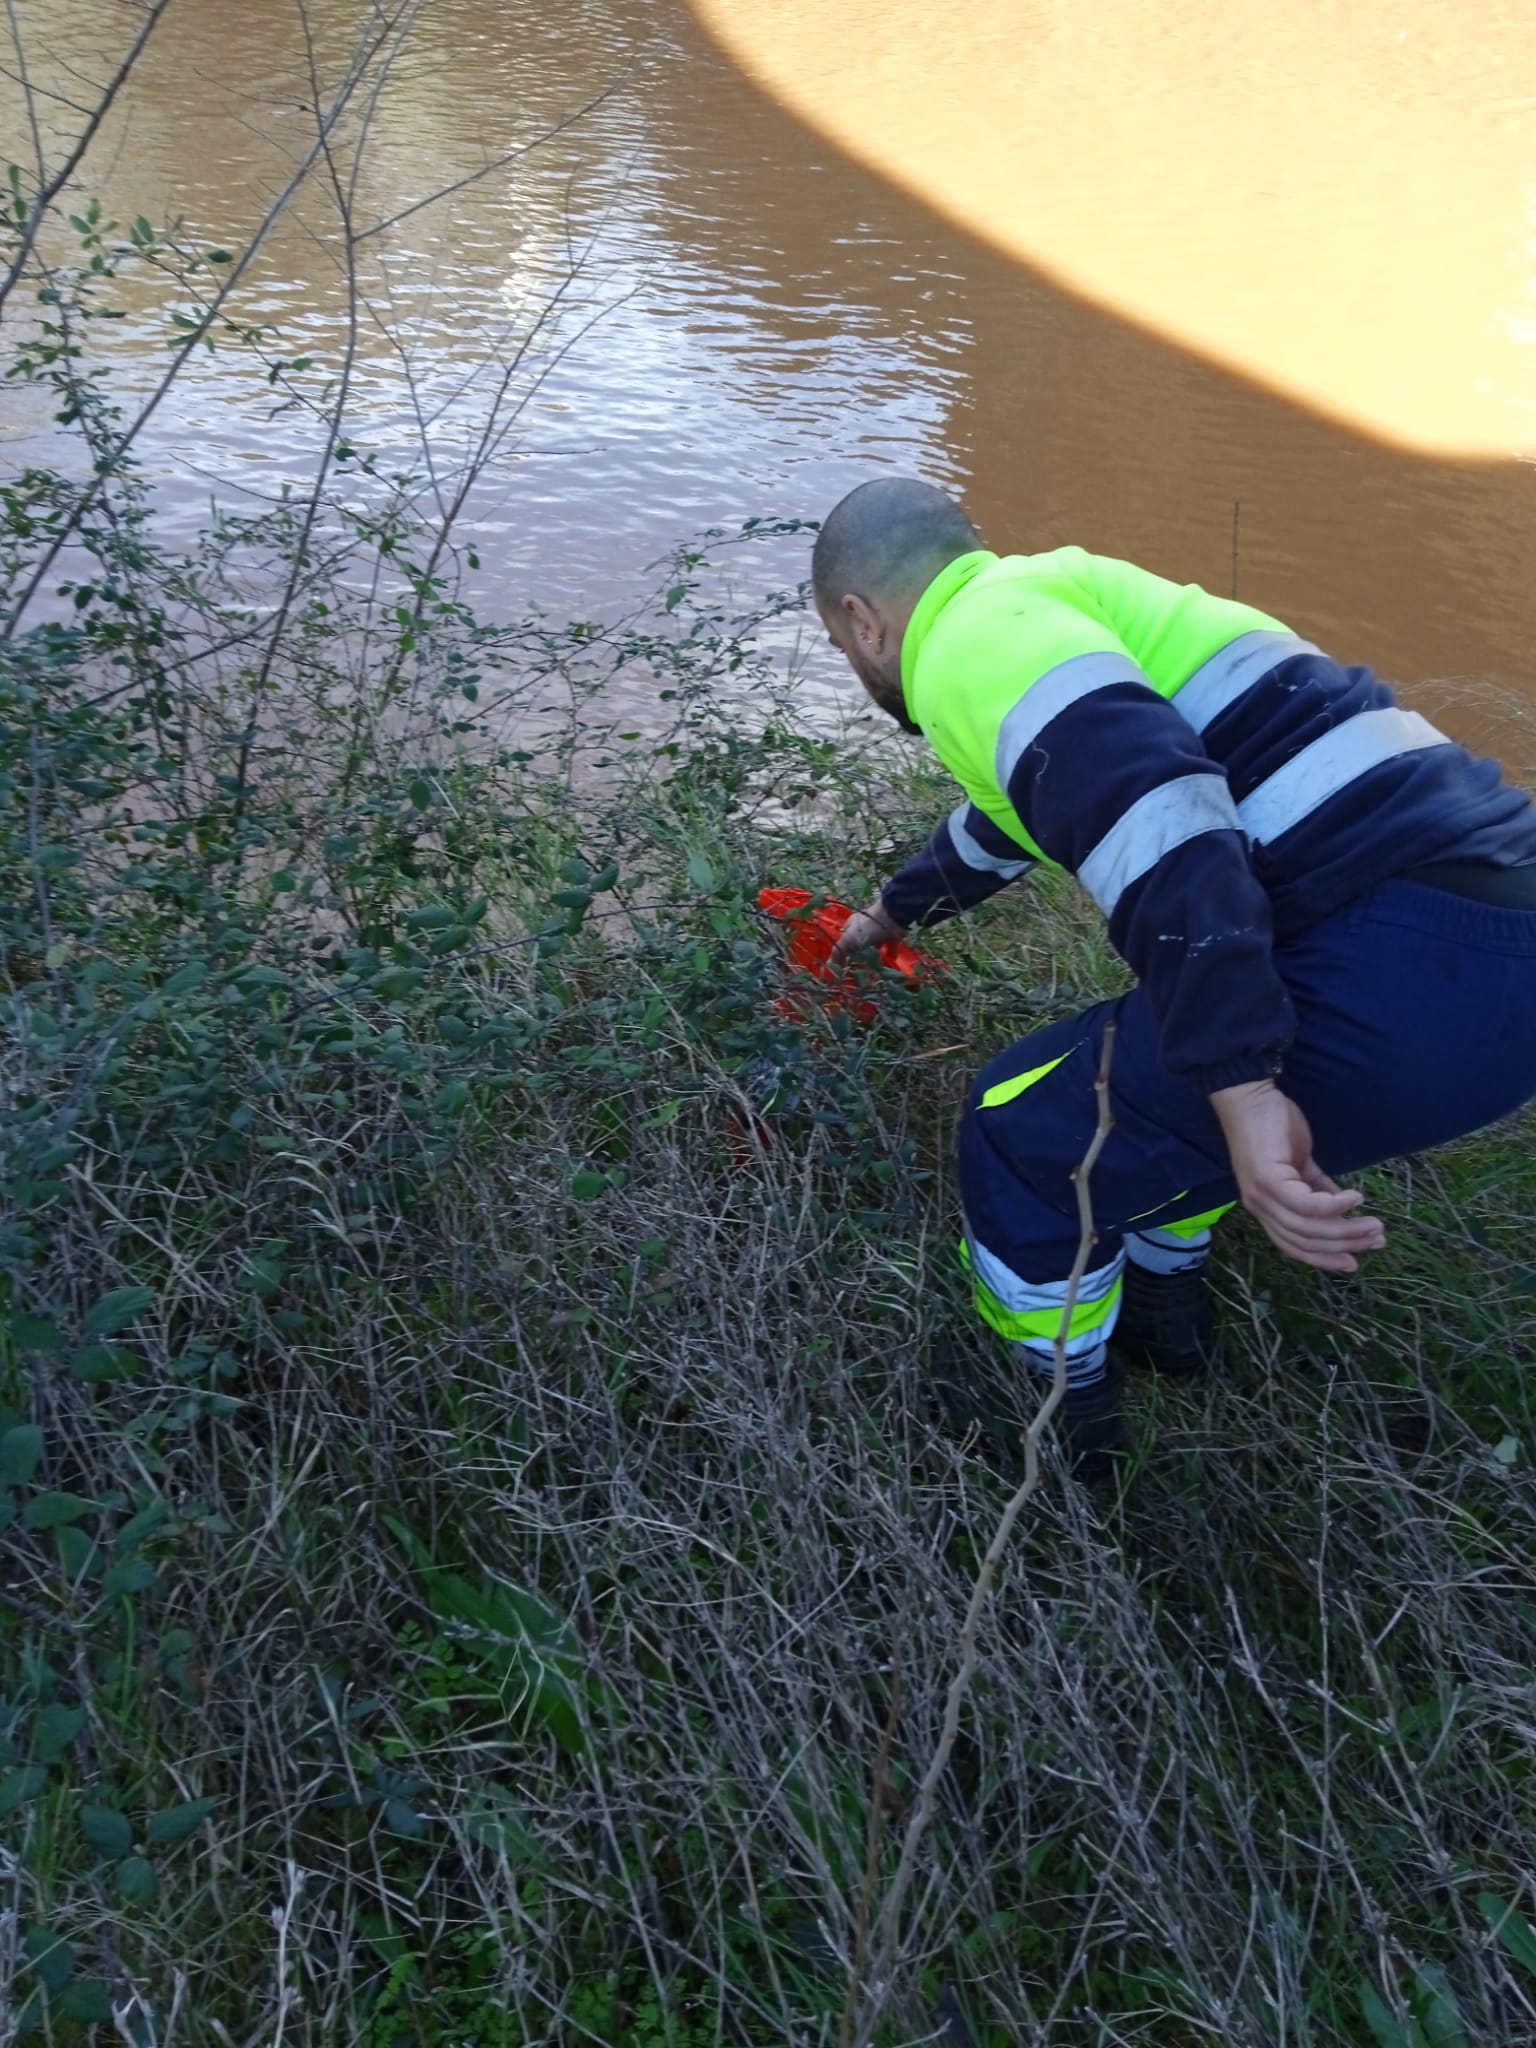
1210	778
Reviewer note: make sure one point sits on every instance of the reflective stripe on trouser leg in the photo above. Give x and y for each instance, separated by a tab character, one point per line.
1030	1313
1174	1247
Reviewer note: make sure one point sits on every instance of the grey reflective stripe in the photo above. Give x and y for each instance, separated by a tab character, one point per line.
1330	764
1050	695
975	855
1027	1297
1154	825
1159	1251
1223	679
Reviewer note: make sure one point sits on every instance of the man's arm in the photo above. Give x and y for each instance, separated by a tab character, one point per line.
1115	785
967	860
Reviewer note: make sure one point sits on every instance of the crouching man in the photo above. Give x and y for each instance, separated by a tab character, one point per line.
1329	906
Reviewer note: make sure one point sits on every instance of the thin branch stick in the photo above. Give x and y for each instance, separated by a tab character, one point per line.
300	565
49	188
886	1943
499	163
108	462
874	1842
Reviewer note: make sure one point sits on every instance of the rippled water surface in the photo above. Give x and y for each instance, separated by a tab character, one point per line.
1250	297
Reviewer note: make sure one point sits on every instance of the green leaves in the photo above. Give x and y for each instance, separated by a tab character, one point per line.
499	1824
175	1823
20	1786
430	917
533	1654
88	2002
128	1577
107	1831
51	1958
54	1730
576	898
392	983
1434	2017
56	1510
265	1267
137	1882
142	1525
97	1363
401	1818
36	1333
21	1451
1510	1929
110	1833
183	981
97	1360
115	1311
53	1962
1386	2029
1436	2009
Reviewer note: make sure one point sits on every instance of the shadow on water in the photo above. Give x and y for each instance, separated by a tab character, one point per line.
1071	424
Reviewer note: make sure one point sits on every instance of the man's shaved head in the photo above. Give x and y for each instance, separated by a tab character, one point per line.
879	550
887	541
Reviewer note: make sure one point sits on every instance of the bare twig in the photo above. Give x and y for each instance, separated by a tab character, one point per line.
879	1794
499	163
373	41
886	1944
50	185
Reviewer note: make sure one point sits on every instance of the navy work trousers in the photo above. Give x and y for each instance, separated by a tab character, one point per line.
1416	1022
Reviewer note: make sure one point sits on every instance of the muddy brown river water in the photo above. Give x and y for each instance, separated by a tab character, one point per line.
1247	295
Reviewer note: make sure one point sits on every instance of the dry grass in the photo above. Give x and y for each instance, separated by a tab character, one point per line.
1243	1750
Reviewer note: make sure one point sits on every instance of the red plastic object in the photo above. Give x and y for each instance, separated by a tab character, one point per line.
813	934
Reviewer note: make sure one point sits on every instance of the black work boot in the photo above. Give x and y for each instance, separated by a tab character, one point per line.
1165	1322
1093	1429
990	1403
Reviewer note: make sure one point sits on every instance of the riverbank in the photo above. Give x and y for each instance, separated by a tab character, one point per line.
483	1560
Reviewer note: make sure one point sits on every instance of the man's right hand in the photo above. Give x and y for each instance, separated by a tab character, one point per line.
866	928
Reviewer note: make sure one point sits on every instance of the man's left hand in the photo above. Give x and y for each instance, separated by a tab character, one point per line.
1306	1214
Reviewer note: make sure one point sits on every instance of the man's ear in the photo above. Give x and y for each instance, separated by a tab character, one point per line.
868	627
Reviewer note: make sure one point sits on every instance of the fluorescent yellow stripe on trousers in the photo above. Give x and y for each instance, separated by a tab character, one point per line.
1192	1226
1005	1091
1032	1313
